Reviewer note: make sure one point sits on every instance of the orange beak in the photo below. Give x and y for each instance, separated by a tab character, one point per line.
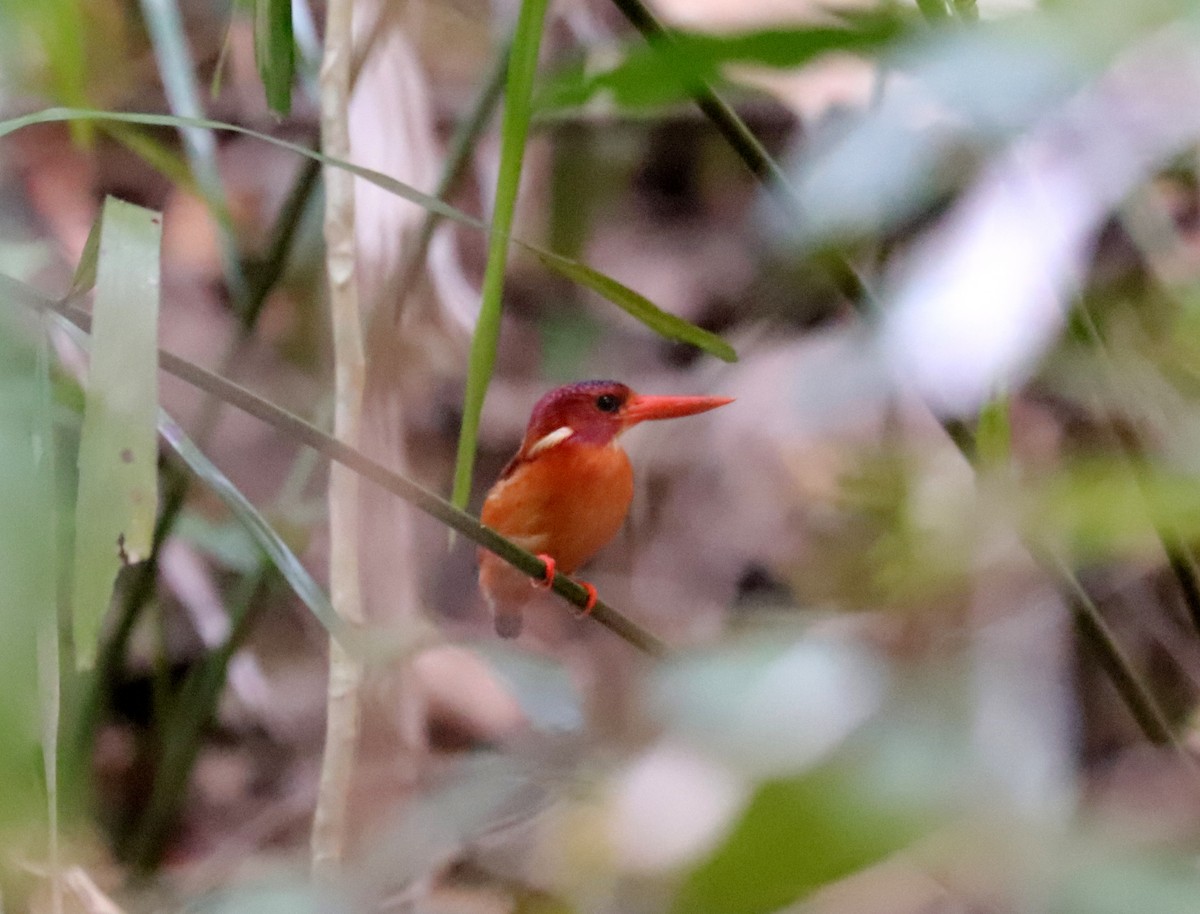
640	408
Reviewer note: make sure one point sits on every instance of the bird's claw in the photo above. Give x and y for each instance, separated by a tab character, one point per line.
547	580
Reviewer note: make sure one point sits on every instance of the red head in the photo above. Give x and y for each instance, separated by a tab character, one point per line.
596	412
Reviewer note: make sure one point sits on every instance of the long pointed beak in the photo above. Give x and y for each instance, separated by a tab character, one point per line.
639	408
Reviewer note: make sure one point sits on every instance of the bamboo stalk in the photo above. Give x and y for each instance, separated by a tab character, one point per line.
343	712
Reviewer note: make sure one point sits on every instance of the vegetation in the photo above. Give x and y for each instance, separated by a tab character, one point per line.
914	625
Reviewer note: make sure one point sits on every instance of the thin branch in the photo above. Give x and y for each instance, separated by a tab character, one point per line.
344	706
1096	634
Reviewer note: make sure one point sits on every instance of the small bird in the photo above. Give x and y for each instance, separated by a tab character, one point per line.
567	491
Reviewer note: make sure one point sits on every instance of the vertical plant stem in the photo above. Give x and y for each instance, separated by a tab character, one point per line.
514	129
345	673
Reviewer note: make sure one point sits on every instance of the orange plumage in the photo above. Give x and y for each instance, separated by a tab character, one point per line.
566	492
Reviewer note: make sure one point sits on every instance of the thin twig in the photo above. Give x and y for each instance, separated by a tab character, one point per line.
344	706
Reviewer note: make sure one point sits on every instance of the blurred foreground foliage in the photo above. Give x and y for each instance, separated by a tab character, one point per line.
935	752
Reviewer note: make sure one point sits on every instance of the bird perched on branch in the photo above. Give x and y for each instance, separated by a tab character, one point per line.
567	491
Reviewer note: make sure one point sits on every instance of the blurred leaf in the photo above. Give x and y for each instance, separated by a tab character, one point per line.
229	544
28	558
770	705
514	127
668	72
661	322
283	898
605	285
58	29
993	433
542	687
1105	509
796	836
156	154
275	52
177	70
483	793
118	458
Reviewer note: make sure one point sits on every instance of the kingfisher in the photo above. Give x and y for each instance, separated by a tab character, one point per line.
567	491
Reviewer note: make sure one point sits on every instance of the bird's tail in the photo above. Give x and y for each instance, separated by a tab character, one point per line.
506	591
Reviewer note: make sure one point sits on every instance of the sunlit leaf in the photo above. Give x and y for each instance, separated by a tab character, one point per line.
118	457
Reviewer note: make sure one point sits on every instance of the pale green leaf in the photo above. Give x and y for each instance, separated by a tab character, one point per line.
118	476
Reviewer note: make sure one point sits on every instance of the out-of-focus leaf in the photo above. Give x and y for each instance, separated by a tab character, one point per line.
28	559
514	127
484	793
229	544
669	72
542	688
283	898
993	433
661	322
1105	508
579	272
770	707
118	475
177	70
1109	885
275	51
796	836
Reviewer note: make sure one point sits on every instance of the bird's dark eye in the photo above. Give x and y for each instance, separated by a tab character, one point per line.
608	403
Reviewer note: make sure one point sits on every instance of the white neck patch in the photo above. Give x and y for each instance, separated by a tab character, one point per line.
558	436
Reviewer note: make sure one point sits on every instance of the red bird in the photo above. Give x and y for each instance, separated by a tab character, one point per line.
567	491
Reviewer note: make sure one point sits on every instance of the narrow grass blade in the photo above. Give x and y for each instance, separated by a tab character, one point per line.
275	52
118	476
514	128
608	288
271	543
638	306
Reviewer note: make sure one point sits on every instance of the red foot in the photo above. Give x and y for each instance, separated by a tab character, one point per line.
587	608
548	581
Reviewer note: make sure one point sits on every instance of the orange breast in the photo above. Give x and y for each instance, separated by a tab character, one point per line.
568	502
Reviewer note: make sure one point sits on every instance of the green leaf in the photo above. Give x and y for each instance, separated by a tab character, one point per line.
610	288
29	566
514	127
275	52
668	72
796	836
638	306
118	473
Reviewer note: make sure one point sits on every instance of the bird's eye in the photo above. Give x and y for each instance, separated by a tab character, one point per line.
608	403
